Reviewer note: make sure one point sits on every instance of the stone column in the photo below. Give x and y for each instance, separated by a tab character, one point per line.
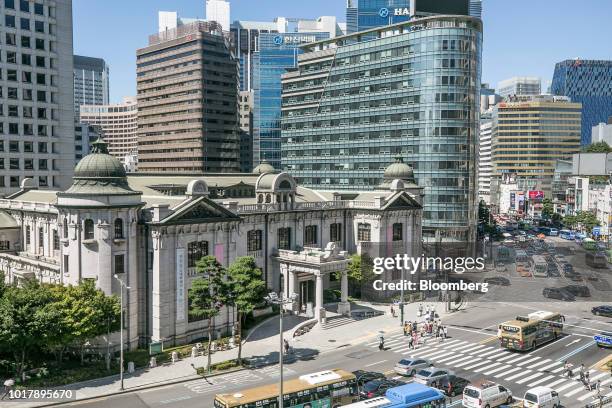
344	307
291	288
319	309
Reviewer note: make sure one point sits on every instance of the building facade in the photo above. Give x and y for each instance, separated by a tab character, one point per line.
219	11
37	115
246	131
91	82
588	82
187	83
118	123
519	86
530	134
84	136
150	230
485	167
277	53
353	105
602	132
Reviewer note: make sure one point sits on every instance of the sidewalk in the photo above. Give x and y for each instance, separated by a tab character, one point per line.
261	348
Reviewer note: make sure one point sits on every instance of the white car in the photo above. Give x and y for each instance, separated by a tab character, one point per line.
541	397
486	395
410	366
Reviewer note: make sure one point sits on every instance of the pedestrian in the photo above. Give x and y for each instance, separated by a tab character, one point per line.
381	343
427	311
420	309
445	329
414	326
410	343
286	346
392	311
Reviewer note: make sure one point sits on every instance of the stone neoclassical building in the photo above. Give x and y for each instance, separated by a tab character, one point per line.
151	229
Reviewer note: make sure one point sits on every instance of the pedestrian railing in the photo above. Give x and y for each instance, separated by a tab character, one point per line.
600	402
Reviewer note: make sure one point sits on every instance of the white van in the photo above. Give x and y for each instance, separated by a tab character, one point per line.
486	395
541	397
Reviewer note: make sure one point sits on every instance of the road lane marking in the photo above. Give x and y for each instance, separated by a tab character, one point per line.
459	360
517	375
531	377
528	361
489	340
474	349
477	365
576	391
508	372
488	367
571	384
508	357
576	351
445	359
552	384
437	358
545	361
498	369
177	399
474	359
541	380
573	342
519	358
376	363
486	353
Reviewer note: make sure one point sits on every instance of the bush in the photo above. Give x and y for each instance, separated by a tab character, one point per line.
222	366
331	295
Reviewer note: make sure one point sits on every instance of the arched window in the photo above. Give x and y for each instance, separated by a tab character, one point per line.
65	228
284	185
89	229
118	228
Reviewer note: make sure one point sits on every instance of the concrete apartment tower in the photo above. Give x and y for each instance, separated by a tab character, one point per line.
37	98
188	101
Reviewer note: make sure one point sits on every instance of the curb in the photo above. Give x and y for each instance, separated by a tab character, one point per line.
144	387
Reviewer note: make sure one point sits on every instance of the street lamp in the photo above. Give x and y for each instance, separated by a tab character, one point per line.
122	286
281	301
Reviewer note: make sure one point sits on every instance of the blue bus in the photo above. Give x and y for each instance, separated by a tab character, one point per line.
603	339
413	395
552	232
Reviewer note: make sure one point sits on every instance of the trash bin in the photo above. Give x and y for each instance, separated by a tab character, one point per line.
131	367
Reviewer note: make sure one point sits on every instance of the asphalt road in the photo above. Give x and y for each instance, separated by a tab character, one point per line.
470	351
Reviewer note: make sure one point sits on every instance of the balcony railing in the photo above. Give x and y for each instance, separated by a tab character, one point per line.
318	205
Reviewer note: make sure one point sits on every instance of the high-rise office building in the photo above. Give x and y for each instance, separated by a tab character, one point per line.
187	82
590	83
548	130
118	123
91	86
519	86
476	8
485	167
246	131
352	106
246	38
276	54
219	11
37	94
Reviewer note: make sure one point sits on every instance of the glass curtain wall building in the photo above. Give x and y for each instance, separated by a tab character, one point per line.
277	53
590	83
354	105
367	14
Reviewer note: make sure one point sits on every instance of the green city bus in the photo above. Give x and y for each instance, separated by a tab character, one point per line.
324	389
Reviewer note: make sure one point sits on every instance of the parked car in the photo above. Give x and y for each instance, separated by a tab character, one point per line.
578	290
486	394
410	366
603	310
453	385
367	376
497	280
558	293
376	388
541	397
431	376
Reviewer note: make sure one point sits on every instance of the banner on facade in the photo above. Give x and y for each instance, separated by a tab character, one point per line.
180	284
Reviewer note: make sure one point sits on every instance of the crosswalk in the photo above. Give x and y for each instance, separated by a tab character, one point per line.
524	369
241	378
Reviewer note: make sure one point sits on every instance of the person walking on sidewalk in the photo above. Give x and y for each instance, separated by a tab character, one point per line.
410	343
392	311
420	309
286	346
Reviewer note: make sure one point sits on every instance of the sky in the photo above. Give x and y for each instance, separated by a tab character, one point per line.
521	37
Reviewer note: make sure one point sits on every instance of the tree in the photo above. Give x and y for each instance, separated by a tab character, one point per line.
547	208
584	219
87	312
24	322
599	147
208	294
247	290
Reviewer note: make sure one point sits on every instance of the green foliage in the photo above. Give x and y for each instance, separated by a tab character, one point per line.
599	147
209	293
331	295
584	219
547	208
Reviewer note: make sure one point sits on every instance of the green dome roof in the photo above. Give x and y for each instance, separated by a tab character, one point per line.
399	170
99	173
264	167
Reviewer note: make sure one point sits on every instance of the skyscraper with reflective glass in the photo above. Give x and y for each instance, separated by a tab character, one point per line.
352	106
277	53
590	83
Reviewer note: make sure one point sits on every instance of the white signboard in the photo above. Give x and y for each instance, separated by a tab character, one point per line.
180	284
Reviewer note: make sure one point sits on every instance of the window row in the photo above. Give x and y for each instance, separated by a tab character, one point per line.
24	6
26	24
25	41
27	76
26	94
